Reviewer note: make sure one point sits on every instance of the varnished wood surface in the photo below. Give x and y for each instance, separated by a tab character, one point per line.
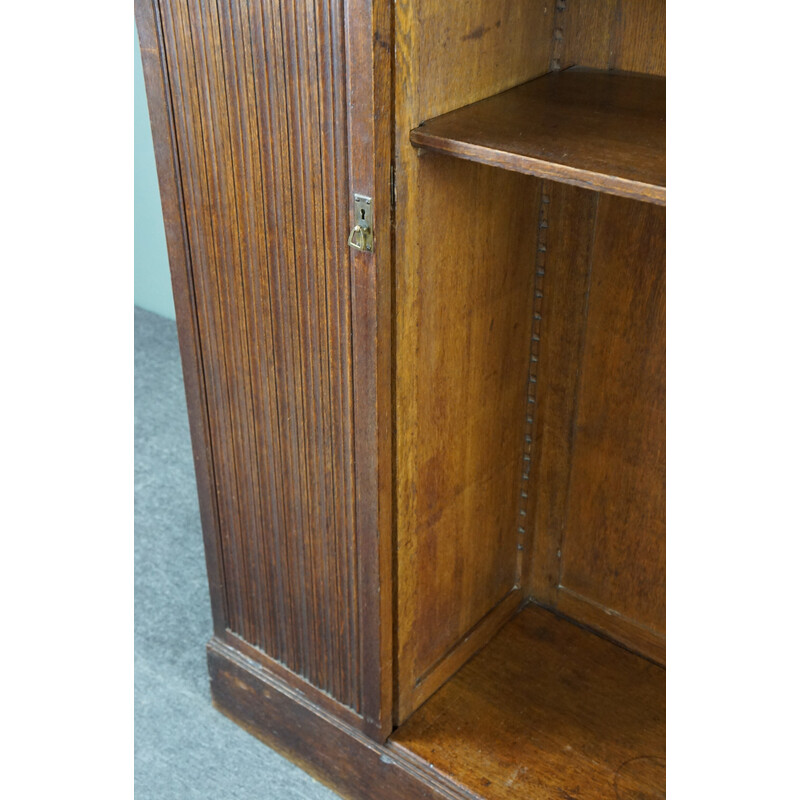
566	265
162	123
268	117
286	324
458	555
369	48
599	130
598	549
464	280
627	630
273	304
546	711
334	752
625	35
614	548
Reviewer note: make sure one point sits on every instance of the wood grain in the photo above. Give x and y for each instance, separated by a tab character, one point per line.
465	249
148	24
526	479
636	636
625	35
546	710
286	326
352	410
598	550
614	544
459	560
369	48
566	265
599	130
334	752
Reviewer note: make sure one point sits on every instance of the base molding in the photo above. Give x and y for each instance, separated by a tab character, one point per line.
334	752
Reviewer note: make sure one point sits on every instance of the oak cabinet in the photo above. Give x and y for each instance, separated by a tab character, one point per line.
430	464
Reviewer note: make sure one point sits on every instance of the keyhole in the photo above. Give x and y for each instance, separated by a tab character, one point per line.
363	213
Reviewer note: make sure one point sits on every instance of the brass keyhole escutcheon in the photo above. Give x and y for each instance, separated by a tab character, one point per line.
361	236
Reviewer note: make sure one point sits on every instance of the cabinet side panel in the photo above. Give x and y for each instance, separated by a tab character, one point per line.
258	92
464	269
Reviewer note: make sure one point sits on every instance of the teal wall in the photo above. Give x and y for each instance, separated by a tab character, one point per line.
151	283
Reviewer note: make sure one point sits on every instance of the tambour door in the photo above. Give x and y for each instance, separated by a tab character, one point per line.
267	119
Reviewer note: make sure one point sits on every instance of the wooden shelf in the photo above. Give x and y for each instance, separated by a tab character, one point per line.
600	130
546	710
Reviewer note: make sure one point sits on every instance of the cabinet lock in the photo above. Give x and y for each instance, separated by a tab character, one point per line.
361	236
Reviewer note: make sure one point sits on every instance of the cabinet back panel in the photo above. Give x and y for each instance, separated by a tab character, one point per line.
465	251
599	537
260	132
626	35
613	553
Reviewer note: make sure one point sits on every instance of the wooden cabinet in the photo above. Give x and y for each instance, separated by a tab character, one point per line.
431	473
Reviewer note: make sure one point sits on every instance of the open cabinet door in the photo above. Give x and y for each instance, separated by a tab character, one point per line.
267	119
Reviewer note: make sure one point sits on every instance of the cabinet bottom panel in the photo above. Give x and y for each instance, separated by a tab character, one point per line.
546	710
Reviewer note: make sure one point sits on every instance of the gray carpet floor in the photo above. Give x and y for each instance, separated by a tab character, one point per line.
184	749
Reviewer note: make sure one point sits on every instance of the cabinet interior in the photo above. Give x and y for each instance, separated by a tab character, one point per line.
529	387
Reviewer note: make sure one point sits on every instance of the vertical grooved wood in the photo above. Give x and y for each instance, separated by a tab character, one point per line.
261	127
163	123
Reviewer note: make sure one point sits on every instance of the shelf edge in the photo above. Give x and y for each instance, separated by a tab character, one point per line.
562	173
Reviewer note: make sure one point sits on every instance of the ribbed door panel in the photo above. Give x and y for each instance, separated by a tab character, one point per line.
258	96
